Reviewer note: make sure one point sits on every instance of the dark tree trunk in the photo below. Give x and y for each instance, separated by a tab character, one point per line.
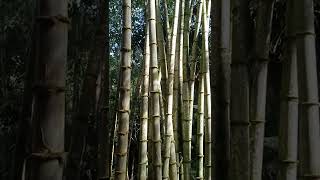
87	104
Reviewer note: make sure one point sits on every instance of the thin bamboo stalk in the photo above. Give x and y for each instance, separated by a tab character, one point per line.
169	129
143	151
207	95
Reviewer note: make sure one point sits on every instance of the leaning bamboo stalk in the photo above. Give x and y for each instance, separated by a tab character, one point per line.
125	93
162	52
288	127
207	94
169	126
193	55
167	28
143	151
309	144
155	93
258	90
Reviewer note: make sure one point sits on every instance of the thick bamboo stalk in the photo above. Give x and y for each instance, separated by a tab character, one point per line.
155	93
239	107
220	85
288	127
309	144
258	91
121	149
48	106
143	151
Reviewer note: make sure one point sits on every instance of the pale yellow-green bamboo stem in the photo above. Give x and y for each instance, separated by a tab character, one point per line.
143	149
200	120
155	93
124	107
169	129
207	110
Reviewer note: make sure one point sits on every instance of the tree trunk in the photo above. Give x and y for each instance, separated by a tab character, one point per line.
258	90
309	144
47	157
103	121
87	104
288	127
239	107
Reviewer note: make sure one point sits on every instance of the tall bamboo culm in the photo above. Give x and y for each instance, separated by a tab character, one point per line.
155	93
143	149
169	138
220	84
258	89
121	150
309	144
288	127
239	107
207	92
48	96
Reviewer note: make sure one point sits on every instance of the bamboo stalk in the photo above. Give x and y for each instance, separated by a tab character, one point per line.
143	158
258	90
121	149
220	85
169	126
239	107
207	95
155	93
309	144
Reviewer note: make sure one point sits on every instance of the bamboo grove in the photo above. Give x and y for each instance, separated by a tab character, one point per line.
201	98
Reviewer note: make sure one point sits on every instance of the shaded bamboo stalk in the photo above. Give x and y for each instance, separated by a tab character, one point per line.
239	107
288	127
48	98
309	144
220	84
258	92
